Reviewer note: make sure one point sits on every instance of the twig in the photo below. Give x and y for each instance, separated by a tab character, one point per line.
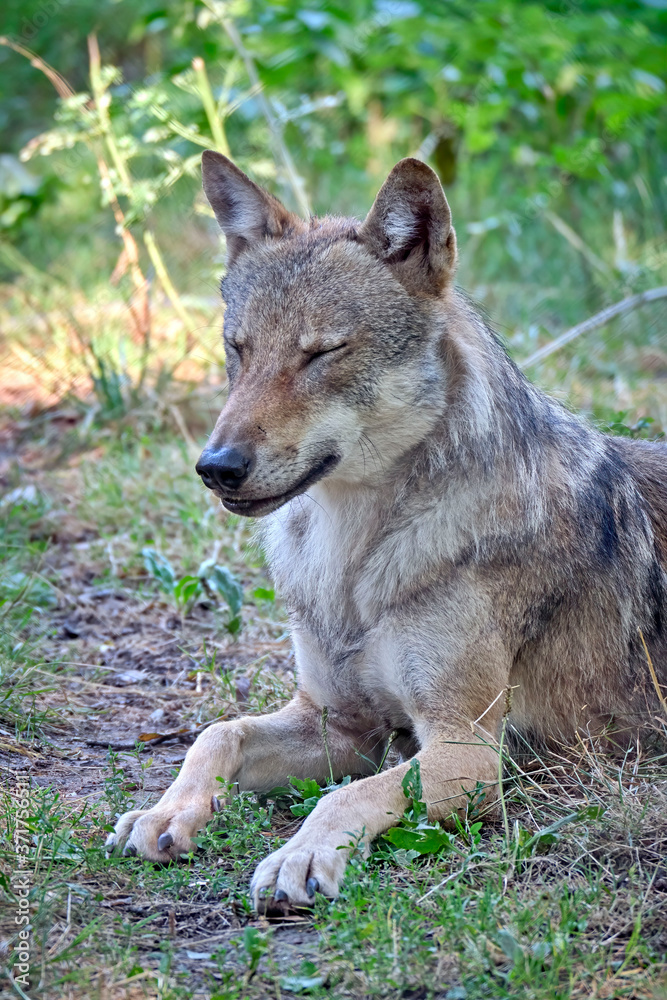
654	678
169	289
599	319
501	791
101	106
295	180
392	737
325	737
182	736
456	874
58	81
207	99
575	240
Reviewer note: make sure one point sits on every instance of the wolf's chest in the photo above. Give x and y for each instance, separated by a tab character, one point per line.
318	563
328	581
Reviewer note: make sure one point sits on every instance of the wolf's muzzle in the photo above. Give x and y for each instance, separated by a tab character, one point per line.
224	469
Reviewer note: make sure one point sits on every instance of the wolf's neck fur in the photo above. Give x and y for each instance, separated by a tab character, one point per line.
493	445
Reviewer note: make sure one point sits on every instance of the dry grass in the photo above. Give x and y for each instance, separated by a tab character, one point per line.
569	902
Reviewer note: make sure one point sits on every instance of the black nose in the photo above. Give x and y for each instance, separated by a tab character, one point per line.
224	469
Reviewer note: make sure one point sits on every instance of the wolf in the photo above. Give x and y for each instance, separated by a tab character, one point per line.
458	552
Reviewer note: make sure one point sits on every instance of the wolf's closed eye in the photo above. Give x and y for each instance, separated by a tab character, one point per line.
315	355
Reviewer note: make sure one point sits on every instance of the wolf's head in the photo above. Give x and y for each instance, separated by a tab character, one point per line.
331	335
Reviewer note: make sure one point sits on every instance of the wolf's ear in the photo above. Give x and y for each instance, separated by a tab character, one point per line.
245	212
410	229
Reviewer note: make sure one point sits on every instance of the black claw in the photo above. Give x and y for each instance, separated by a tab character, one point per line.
164	841
280	896
263	892
216	805
129	851
312	886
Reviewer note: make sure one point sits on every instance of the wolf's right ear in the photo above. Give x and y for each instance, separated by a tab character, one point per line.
409	228
246	214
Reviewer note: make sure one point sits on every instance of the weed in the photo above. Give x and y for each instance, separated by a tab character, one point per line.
211	580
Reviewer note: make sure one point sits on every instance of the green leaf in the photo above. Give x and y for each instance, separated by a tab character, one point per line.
301	984
551	834
254	945
509	944
159	567
427	839
28	589
306	807
222	581
187	588
308	792
412	782
305	786
234	625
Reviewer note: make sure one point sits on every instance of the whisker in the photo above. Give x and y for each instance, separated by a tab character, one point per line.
363	455
375	450
318	504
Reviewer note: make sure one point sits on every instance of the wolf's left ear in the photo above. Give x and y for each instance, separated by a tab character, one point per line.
410	228
246	213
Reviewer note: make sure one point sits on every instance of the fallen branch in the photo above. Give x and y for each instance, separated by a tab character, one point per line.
150	740
599	319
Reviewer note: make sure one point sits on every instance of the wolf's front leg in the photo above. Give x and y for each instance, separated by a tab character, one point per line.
258	754
451	763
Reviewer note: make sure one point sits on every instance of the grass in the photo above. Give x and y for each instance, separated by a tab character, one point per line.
110	663
567	899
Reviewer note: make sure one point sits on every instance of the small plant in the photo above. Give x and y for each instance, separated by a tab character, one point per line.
264	594
616	423
27	588
108	385
115	787
212	581
414	833
254	946
530	844
303	794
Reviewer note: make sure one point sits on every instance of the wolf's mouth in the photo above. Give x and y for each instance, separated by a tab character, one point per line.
258	507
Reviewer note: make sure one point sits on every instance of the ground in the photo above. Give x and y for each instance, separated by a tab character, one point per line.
107	675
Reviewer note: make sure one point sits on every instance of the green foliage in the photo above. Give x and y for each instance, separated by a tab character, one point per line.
308	792
220	580
108	384
160	569
31	590
303	794
211	580
21	193
305	982
616	423
254	946
526	108
540	843
414	834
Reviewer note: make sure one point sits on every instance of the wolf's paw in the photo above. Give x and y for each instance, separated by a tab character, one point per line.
162	833
290	877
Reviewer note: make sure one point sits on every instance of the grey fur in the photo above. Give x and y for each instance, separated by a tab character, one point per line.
454	533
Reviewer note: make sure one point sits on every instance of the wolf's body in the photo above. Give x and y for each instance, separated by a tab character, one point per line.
459	533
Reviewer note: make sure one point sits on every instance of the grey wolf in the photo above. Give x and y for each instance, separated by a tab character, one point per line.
440	530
